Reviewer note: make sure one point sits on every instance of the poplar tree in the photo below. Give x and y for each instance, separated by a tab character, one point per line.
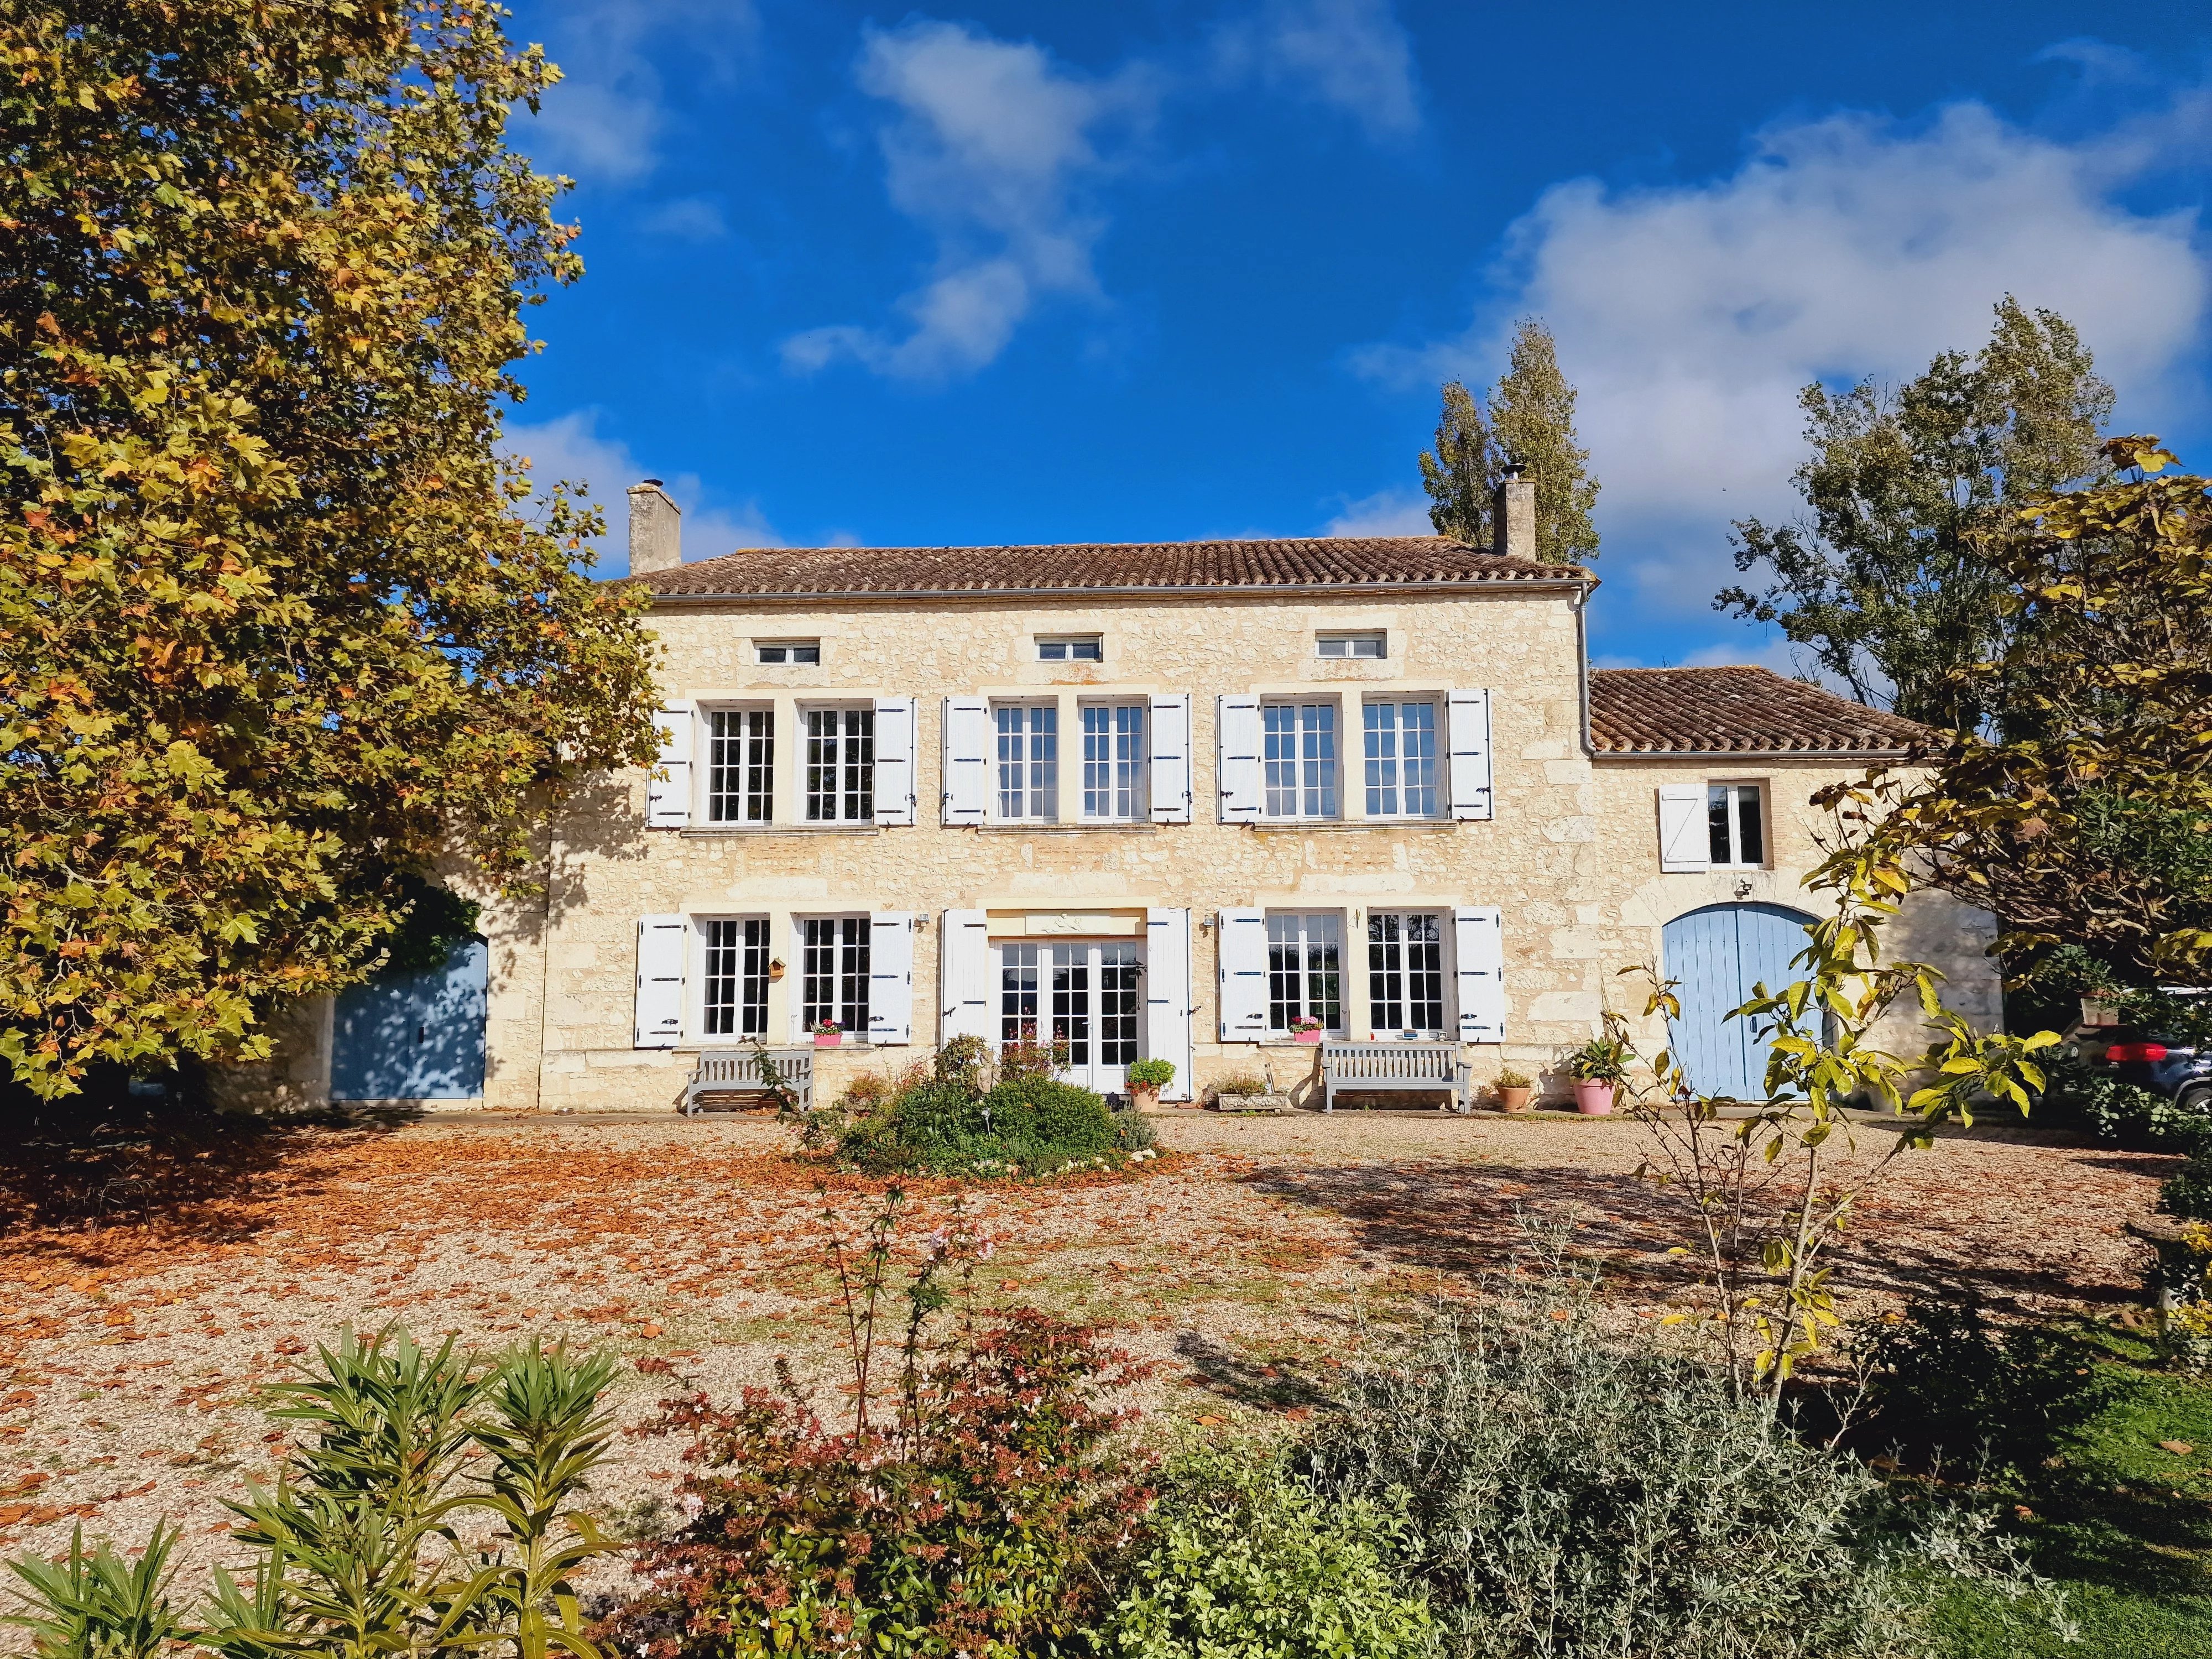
1530	424
280	638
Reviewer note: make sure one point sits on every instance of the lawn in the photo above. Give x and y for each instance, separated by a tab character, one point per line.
140	1307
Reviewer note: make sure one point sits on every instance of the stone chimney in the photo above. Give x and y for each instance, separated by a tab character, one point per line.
656	530
1512	515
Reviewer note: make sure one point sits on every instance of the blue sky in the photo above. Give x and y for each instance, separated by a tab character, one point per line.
1049	272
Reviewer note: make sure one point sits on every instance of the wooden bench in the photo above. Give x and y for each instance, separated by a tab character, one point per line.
737	1071
1409	1067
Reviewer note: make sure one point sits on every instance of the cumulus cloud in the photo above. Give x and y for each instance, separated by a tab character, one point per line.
1853	245
570	448
1386	513
685	218
995	147
1352	54
604	120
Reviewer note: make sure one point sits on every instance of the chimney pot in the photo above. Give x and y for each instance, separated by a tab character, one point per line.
656	530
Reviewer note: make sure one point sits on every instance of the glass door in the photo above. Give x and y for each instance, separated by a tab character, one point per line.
1084	997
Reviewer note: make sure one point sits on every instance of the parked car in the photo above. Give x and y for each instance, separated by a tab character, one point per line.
2157	1061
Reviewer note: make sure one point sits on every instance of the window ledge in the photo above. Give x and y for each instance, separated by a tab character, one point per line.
1277	826
1100	828
783	828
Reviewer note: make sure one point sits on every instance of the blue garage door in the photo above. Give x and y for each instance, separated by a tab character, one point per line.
1716	956
414	1036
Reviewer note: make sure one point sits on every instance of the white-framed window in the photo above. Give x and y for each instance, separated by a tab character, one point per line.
841	765
787	651
1084	997
833	973
1401	742
1406	972
741	765
1735	827
1367	644
1071	647
733	995
1115	762
1028	735
1305	970
1298	759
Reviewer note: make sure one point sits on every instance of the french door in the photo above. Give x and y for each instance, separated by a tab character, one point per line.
1084	997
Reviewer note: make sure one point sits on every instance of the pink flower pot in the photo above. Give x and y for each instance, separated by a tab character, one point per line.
835	1041
1592	1098
1305	1036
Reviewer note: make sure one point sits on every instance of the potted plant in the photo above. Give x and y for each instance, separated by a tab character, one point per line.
1306	1029
1514	1090
827	1034
1146	1079
1599	1067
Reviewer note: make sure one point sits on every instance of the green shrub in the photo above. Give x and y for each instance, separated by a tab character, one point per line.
1246	1560
940	1122
2135	1117
1573	1497
1944	1381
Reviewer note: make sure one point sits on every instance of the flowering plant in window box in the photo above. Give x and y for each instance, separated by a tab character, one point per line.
1306	1029
827	1034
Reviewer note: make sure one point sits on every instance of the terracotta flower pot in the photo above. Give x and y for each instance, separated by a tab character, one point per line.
834	1040
1593	1096
1516	1100
1144	1096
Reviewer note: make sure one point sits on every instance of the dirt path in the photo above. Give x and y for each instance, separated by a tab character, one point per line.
131	1354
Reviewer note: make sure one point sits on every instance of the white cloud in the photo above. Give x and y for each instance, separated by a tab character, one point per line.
686	218
1690	316
605	119
993	147
569	448
1351	54
1386	513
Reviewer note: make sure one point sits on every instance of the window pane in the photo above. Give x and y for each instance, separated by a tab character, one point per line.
1716	819
1017	993
1113	761
1052	650
1749	839
1028	761
833	971
1381	721
1085	650
1405	972
1416	757
1118	1001
841	765
1305	971
741	765
1071	1001
1317	723
719	1007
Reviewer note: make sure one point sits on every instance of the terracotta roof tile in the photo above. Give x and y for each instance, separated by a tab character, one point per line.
1660	711
1331	561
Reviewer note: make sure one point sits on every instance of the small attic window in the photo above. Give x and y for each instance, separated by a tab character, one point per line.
1071	647
788	651
1351	645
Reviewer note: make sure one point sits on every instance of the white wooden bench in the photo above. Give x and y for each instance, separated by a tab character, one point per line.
1408	1067
737	1071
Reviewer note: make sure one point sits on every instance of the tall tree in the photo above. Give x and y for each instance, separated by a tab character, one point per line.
1530	423
276	635
1893	583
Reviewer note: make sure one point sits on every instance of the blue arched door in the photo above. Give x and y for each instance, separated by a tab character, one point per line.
1716	956
414	1036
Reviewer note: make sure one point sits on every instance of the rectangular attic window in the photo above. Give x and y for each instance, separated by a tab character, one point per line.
1071	647
788	651
1350	645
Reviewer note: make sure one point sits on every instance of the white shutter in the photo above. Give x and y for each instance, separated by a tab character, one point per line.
1479	951
1167	996
967	759
668	795
894	760
891	977
1170	743
661	946
1237	743
1684	837
1469	737
964	975
1242	940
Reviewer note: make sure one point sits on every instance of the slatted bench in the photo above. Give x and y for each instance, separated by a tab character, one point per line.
1408	1067
737	1072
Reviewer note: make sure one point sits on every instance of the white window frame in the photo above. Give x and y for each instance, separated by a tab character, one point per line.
1306	936
1728	794
736	950
852	796
850	941
746	803
788	653
1383	777
1380	990
1353	645
1317	781
1117	764
1071	647
1034	795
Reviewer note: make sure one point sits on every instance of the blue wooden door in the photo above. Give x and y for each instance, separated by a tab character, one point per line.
1716	956
414	1036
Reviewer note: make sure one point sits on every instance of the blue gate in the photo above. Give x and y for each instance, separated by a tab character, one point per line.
1716	956
414	1036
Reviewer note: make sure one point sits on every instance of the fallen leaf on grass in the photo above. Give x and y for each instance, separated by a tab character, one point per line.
2178	1448
1212	1422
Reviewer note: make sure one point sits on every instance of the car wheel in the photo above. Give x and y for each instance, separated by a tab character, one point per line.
2197	1098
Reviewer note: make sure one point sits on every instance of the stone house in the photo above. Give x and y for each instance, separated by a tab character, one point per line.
1160	800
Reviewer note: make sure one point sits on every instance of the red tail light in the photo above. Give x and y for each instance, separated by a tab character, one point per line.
2136	1051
